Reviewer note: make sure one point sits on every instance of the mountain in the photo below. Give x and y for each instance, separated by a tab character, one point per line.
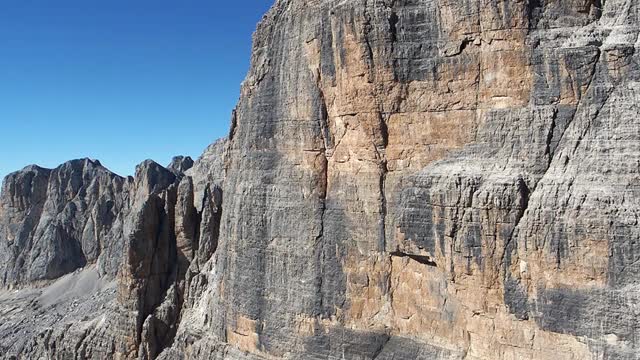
403	179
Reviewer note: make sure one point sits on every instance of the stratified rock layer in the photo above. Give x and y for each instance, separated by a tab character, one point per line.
435	179
424	179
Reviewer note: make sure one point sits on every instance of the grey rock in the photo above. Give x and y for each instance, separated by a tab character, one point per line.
56	221
106	259
424	179
180	164
476	136
209	169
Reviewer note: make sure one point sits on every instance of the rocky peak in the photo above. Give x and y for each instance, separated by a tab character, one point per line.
141	233
180	164
151	178
24	188
57	219
208	169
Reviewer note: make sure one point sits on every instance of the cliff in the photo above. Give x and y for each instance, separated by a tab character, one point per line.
428	179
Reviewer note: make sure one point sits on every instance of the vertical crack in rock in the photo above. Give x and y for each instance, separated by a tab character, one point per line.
393	24
325	152
384	132
234	125
325	132
476	103
383	208
209	225
367	27
534	12
550	149
381	138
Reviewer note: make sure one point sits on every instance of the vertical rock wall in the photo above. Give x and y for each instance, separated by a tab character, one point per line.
455	178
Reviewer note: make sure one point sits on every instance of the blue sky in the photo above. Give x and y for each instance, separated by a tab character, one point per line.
119	80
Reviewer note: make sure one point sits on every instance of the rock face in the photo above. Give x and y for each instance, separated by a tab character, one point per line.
98	262
424	179
53	222
436	179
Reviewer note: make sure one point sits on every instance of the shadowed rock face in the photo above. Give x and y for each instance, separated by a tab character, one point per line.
425	179
99	260
56	221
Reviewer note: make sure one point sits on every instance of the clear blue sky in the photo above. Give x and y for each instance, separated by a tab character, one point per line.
119	80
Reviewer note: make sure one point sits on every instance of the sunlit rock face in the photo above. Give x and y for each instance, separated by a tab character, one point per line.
445	179
425	179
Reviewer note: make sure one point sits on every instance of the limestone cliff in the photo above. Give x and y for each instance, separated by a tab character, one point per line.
95	265
432	179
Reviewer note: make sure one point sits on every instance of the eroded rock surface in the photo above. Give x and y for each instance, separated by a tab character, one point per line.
94	265
458	175
407	179
56	221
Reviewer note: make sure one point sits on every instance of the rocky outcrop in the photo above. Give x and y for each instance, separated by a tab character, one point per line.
111	283
426	179
208	170
53	222
180	164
